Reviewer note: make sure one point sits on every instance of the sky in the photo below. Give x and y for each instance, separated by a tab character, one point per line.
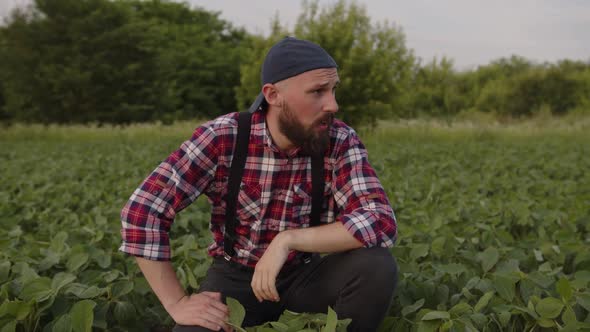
470	32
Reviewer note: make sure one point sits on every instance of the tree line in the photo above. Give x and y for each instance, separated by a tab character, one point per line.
124	61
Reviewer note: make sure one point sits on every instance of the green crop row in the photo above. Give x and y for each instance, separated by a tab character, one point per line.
494	232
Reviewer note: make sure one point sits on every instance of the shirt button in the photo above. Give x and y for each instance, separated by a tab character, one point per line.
156	192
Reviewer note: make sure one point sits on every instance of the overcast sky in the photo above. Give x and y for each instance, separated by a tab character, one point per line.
471	32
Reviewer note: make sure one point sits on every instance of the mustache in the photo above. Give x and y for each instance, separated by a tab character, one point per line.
326	118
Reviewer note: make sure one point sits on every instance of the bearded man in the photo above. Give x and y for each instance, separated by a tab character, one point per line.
295	183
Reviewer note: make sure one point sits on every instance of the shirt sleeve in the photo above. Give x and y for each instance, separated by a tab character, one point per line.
364	208
148	215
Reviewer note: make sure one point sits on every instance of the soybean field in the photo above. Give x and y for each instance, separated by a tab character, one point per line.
494	229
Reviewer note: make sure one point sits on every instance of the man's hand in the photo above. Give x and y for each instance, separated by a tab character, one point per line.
204	309
267	269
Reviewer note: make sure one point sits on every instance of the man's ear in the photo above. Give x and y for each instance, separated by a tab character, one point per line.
271	94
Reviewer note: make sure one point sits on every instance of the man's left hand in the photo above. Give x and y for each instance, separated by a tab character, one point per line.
268	267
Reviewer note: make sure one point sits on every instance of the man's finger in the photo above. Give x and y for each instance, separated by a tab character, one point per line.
273	289
213	295
221	316
206	323
266	286
261	286
254	285
220	306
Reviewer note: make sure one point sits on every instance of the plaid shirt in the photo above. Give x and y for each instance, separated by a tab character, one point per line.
275	192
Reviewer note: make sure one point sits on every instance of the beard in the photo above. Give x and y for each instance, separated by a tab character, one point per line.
312	141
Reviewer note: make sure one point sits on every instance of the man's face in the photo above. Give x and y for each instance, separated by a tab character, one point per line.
308	107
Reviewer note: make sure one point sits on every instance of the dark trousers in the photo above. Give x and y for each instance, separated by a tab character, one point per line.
357	284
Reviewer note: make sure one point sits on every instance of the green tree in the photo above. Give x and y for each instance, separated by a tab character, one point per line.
117	61
436	90
374	64
198	58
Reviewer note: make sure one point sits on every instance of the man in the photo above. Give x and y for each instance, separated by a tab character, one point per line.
267	266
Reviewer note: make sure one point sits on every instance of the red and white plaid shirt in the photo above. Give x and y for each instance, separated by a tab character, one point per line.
275	192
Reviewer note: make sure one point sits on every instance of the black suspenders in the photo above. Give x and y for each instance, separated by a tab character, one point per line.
235	177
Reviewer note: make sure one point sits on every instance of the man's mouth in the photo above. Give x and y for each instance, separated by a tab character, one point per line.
325	123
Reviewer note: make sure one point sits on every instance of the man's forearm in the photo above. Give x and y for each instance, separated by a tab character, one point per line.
163	280
323	239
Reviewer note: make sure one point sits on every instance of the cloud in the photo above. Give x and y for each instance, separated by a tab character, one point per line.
471	32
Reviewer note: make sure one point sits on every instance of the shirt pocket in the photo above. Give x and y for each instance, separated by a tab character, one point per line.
301	206
217	191
249	203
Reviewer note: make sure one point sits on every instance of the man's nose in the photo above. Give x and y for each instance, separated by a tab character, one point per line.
331	104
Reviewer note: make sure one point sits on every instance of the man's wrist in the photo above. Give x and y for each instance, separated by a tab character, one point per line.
286	239
171	303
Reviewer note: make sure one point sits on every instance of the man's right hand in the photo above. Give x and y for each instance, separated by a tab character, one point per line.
203	309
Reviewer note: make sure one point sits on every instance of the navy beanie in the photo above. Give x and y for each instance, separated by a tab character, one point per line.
290	57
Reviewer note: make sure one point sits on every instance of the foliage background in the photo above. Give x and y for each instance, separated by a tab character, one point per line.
493	216
124	61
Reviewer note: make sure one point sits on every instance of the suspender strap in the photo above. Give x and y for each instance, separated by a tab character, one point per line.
235	177
317	194
317	189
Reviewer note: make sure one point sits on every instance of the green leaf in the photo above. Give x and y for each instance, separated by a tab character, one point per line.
10	327
61	279
428	326
419	251
446	326
50	260
192	281
281	327
483	302
17	309
121	288
82	315
296	324
331	321
412	308
583	299
111	276
569	316
58	242
62	324
564	289
505	287
76	261
479	319
489	258
343	324
583	277
504	318
541	279
544	322
4	271
37	290
83	291
549	307
236	312
125	312
452	269
459	309
436	315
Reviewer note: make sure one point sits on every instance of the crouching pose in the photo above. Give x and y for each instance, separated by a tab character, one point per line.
286	181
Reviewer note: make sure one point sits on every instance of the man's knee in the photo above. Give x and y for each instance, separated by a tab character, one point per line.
375	265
